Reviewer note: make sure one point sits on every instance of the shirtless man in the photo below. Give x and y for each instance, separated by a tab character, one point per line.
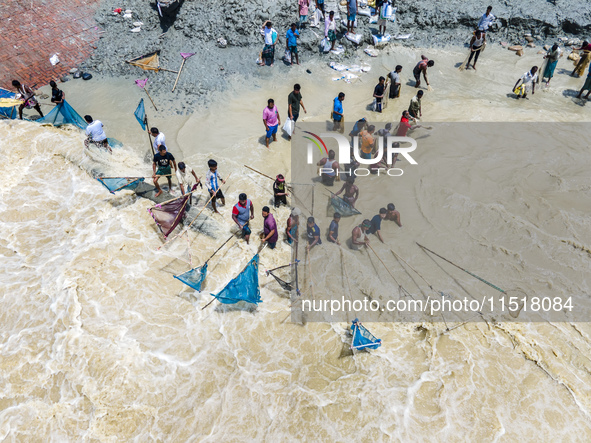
393	214
359	236
28	96
351	191
421	67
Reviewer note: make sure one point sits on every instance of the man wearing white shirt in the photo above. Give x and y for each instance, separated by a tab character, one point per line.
183	175
159	139
486	20
95	133
270	36
528	79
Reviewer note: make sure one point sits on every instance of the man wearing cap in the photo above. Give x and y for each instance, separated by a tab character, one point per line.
161	166
183	175
279	191
242	214
270	234
313	232
376	224
159	139
359	236
393	214
293	222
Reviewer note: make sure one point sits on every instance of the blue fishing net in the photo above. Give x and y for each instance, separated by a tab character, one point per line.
140	114
63	114
194	277
342	207
362	338
245	287
114	184
10	112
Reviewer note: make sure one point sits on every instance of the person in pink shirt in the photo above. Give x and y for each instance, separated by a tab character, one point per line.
303	5
271	120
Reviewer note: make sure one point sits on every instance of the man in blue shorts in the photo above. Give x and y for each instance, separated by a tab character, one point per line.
351	15
272	120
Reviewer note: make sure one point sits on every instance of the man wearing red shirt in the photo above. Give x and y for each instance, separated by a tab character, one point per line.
403	129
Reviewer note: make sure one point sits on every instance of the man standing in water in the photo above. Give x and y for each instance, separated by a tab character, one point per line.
329	168
359	236
476	46
95	133
486	20
293	222
272	120
270	234
527	80
28	96
183	175
351	16
161	167
376	224
242	214
337	113
351	191
378	93
421	67
414	109
333	230
395	82
212	180
294	101
551	57
393	214
313	232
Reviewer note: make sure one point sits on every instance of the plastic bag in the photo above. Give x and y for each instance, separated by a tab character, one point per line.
325	45
287	56
374	105
54	59
288	127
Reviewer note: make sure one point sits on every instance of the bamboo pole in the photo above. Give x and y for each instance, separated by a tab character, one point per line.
150	97
388	270
178	75
459	267
417	272
149	134
265	175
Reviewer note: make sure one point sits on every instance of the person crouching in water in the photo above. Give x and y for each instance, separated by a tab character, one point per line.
95	133
527	80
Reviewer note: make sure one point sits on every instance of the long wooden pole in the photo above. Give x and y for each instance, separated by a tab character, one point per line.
407	264
150	97
178	75
218	249
459	267
149	135
265	175
388	270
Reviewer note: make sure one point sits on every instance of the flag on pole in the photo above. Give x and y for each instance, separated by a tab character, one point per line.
141	83
140	114
186	55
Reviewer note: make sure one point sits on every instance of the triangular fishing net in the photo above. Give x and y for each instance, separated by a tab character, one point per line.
286	286
114	184
194	277
362	338
140	114
8	111
245	287
148	62
342	207
168	215
63	114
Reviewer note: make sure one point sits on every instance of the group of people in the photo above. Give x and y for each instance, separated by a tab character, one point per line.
272	119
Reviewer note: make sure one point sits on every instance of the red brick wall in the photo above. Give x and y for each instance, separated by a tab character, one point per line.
31	31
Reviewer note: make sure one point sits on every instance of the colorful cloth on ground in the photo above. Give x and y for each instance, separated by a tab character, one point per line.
8	112
245	287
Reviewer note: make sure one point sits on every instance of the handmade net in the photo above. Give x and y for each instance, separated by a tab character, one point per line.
194	277
114	184
140	114
168	215
10	110
149	62
245	287
285	285
342	207
63	114
362	338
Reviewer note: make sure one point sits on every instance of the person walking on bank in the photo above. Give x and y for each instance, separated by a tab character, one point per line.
421	67
242	214
303	6
551	58
291	42
161	167
28	95
351	16
330	29
486	20
270	36
476	47
337	113
294	101
270	233
279	191
395	82
272	120
414	108
378	93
